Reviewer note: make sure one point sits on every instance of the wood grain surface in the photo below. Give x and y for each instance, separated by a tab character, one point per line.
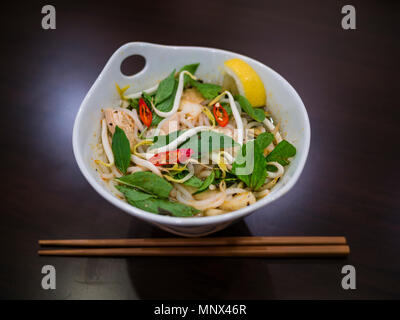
348	80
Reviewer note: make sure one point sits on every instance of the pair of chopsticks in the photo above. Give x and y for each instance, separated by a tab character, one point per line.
271	247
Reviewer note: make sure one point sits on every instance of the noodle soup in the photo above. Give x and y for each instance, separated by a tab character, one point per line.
189	148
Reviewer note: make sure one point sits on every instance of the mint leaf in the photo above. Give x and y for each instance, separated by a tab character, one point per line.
147	98
240	162
208	141
121	150
165	207
163	140
281	153
227	107
260	168
133	194
165	105
133	104
192	182
165	88
206	183
202	142
271	168
253	150
156	119
147	181
264	140
192	69
207	90
255	113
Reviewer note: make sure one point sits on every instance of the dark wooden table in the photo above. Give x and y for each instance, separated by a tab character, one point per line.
348	80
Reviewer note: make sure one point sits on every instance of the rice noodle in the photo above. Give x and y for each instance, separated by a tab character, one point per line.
139	94
183	137
183	190
105	142
271	128
134	169
146	164
235	190
278	173
212	202
262	193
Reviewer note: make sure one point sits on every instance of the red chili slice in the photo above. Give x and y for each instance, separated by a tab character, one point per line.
145	113
171	157
220	115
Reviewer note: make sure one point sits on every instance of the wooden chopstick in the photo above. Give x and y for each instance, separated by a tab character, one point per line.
281	251
194	242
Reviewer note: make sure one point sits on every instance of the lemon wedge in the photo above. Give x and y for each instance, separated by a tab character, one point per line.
247	81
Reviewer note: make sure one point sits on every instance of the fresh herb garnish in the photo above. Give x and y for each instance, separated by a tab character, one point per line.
192	182
133	104
163	140
165	207
208	141
255	113
252	152
190	68
200	143
264	139
121	150
152	204
165	88
227	107
207	90
281	153
149	182
133	194
206	183
271	168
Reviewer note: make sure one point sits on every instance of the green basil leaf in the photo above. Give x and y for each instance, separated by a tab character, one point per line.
227	107
192	182
240	162
133	194
147	98
264	139
165	207
208	141
281	153
163	140
207	90
133	104
271	168
260	168
156	119
192	69
149	182
206	183
254	149
121	150
200	143
255	113
165	88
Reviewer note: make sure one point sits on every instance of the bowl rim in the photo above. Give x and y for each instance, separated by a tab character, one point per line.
188	221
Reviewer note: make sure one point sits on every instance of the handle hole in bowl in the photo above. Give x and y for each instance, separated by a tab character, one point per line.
133	65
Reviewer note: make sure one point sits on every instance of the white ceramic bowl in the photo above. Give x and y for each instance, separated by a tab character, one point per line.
283	100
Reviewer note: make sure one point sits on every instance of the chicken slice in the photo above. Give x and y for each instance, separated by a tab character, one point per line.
123	120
